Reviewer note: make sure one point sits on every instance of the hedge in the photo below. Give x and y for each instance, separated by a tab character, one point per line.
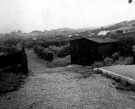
43	53
125	45
64	51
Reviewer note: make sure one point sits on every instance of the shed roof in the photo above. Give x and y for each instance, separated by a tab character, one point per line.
102	40
97	40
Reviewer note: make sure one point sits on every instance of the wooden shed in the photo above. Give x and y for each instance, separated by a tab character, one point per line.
85	51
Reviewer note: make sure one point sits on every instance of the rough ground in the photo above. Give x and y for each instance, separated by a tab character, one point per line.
66	88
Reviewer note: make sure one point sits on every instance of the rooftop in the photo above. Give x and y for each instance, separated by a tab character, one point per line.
102	40
98	40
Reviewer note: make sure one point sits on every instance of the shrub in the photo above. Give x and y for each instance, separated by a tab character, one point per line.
10	79
108	61
55	49
124	60
64	51
60	62
125	45
29	43
43	53
10	42
115	56
51	42
97	64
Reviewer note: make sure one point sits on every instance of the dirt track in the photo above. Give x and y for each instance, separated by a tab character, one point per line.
66	88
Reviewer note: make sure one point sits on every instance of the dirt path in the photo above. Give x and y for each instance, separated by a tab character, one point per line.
65	88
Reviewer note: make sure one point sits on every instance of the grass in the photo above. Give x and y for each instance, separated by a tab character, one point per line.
81	71
124	61
10	80
120	83
110	61
59	62
68	88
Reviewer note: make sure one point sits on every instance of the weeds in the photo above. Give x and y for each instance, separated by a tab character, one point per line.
10	80
115	59
120	83
43	53
59	62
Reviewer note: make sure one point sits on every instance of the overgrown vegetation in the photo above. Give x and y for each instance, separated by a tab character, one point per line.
115	59
10	79
118	82
61	55
125	45
59	46
64	51
29	42
13	68
59	62
43	53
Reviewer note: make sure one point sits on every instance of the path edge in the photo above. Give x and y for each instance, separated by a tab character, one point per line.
113	75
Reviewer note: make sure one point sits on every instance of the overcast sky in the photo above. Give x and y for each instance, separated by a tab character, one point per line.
29	15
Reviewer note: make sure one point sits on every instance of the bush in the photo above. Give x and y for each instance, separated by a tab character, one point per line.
108	61
97	65
124	61
115	59
11	42
64	51
29	43
43	53
51	42
125	45
115	56
10	79
55	49
60	62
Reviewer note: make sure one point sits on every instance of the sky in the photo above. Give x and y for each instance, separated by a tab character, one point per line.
28	15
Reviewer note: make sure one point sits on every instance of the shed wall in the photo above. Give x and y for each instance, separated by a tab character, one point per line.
86	52
83	52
